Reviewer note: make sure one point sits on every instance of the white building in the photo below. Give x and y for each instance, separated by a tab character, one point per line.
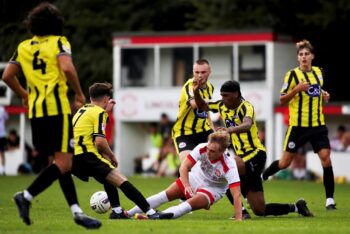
149	71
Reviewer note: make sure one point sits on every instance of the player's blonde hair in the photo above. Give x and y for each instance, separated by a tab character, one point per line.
304	44
221	137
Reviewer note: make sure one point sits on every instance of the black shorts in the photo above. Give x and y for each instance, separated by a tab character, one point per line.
90	165
297	137
53	134
189	142
252	181
3	143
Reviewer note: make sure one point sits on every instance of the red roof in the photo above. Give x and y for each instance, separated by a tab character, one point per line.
194	38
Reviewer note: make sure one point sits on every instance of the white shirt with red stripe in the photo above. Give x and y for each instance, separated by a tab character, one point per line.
221	173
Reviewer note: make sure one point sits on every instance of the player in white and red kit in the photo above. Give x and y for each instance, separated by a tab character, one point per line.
205	175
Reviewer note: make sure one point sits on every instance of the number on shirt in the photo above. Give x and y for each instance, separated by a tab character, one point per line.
81	112
39	63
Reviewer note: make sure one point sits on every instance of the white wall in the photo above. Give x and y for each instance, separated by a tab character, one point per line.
166	67
340	163
131	142
285	58
220	58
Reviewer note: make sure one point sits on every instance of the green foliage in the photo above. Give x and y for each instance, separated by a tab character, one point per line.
90	25
230	15
51	214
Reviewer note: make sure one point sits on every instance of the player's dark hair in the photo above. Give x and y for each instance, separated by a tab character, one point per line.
230	87
45	19
99	90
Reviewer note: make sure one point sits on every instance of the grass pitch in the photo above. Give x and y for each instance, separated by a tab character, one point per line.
51	214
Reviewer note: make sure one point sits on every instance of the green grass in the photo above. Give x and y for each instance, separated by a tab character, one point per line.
51	214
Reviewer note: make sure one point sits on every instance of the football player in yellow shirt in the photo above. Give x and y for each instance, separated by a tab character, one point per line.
45	61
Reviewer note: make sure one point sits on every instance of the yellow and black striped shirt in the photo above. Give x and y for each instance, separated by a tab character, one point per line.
46	82
246	144
188	122
89	121
305	109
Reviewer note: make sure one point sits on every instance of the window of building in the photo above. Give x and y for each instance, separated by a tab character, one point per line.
252	62
137	68
221	62
175	66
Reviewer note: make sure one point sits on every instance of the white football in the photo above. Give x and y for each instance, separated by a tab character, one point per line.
99	202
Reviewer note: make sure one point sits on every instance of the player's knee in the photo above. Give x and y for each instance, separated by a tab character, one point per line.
283	164
63	167
259	212
326	162
116	178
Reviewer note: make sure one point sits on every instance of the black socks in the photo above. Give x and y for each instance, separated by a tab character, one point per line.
271	170
44	180
68	188
328	181
278	209
135	195
113	195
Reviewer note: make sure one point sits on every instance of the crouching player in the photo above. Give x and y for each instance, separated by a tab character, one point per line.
94	158
205	175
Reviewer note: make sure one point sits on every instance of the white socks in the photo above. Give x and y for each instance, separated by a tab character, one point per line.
154	201
27	196
179	210
150	212
329	201
75	208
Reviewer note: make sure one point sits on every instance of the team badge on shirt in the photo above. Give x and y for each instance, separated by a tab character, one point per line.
291	145
71	142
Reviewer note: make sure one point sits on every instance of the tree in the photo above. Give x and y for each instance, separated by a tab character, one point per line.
91	24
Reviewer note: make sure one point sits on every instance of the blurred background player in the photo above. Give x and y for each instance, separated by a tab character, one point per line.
337	142
148	163
46	63
302	91
3	139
